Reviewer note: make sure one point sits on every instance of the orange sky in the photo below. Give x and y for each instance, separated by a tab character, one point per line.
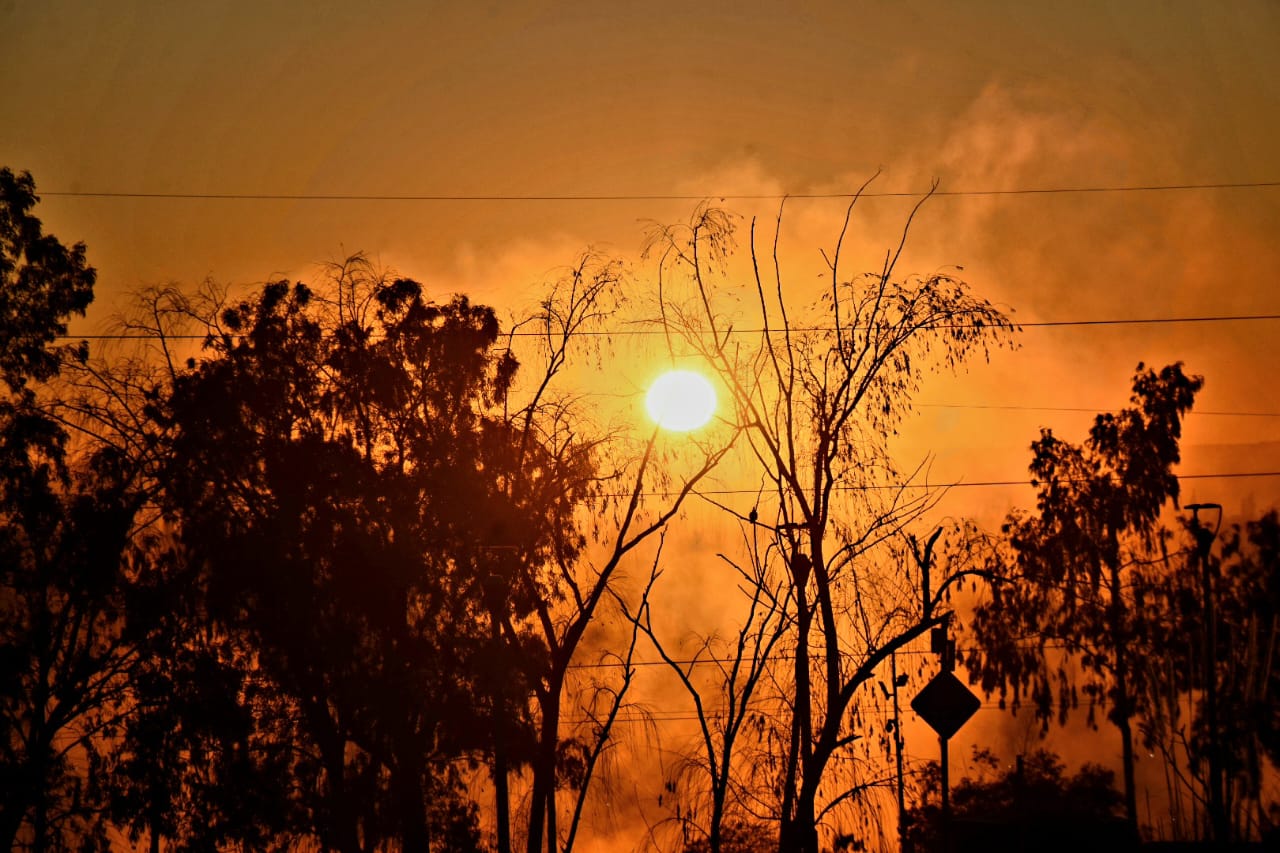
691	99
708	98
704	99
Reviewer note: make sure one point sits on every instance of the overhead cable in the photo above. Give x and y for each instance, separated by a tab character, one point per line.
578	197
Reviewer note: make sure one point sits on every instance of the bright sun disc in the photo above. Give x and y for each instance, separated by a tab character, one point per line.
680	400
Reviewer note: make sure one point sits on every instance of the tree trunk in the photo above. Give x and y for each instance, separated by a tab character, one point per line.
154	840
343	831
39	823
543	801
501	792
717	817
415	833
1130	787
1122	709
800	830
797	817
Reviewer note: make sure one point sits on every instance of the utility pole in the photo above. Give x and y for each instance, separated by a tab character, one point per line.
1204	543
897	745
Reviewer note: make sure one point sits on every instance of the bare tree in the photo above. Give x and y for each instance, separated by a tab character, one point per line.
725	704
569	584
818	393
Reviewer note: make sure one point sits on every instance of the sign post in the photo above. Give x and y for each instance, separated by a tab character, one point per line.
946	705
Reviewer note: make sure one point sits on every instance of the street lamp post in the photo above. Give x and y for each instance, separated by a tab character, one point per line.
1204	543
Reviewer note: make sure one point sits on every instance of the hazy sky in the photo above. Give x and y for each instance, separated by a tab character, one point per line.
709	98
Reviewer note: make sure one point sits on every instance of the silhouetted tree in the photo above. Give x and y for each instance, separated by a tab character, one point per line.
379	546
334	483
1246	588
185	763
1031	805
65	652
207	750
568	584
42	283
737	836
1248	623
725	707
1071	568
818	393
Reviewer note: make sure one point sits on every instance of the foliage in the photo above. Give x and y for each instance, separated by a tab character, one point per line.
1069	574
356	510
1034	801
338	488
738	836
1248	622
42	283
65	646
1246	590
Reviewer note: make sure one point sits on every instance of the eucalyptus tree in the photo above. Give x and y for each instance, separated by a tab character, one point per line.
1247	621
65	645
818	384
1234	733
1073	570
334	473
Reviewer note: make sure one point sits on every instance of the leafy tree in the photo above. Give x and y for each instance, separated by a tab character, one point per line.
1248	623
186	761
65	649
333	476
1071	570
818	392
42	283
1248	616
1176	723
336	458
201	757
1031	805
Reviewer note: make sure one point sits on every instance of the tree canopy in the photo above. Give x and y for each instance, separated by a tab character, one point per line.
65	646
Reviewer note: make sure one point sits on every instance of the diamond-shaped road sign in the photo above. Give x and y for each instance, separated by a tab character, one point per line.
945	704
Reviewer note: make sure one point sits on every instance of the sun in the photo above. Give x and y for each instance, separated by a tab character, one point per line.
680	400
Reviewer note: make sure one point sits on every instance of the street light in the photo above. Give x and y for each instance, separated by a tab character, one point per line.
1204	544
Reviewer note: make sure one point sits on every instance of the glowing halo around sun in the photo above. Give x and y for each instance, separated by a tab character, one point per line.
680	400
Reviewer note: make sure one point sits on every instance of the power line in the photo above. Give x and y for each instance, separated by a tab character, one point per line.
1230	318
1092	411
897	487
620	664
135	336
1147	321
1034	324
976	484
556	197
887	487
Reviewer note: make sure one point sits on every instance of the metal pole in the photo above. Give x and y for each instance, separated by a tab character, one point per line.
946	794
897	743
